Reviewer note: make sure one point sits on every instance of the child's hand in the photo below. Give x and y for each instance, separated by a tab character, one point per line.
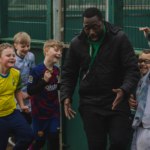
132	102
47	76
145	30
25	109
25	95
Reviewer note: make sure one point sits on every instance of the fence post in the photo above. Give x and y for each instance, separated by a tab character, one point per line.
3	18
107	10
116	12
56	19
61	39
61	20
49	20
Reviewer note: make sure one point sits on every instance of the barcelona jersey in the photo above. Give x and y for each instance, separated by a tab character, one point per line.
45	104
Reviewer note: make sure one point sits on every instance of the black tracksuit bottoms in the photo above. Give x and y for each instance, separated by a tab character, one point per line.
98	122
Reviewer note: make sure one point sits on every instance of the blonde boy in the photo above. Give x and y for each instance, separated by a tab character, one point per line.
42	84
25	61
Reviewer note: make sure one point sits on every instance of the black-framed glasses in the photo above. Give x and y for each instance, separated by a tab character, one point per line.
146	61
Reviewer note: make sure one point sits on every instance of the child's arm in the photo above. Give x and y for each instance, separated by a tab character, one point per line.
132	102
25	95
146	29
36	88
39	86
18	96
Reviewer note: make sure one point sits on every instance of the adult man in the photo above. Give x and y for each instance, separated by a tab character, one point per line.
109	73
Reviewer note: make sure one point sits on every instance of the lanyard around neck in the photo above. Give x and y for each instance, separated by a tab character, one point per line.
98	45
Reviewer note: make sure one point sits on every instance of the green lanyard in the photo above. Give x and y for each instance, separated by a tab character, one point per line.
94	55
98	45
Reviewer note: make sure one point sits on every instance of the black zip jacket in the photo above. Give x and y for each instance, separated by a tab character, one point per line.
115	66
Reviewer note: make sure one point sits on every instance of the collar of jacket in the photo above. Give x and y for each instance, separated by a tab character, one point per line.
110	29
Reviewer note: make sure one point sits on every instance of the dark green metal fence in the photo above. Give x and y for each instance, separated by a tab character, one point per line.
73	15
31	16
136	13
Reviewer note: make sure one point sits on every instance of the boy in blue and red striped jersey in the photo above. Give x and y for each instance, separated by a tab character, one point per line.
42	85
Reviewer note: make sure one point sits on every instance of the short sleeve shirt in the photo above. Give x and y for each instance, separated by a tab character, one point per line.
45	104
8	85
24	66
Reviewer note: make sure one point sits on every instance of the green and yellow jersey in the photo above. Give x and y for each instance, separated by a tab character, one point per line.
8	85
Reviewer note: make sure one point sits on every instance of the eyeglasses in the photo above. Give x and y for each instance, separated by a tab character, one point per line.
146	61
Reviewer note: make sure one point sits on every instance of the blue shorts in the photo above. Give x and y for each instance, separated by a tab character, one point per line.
19	127
42	127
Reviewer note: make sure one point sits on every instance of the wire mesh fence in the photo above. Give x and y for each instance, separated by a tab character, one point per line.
28	16
73	15
136	13
31	16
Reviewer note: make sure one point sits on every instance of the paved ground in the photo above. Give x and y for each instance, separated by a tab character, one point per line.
9	147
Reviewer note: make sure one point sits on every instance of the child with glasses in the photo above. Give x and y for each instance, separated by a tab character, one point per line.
141	122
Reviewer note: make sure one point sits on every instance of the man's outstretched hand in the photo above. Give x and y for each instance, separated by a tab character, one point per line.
67	109
119	97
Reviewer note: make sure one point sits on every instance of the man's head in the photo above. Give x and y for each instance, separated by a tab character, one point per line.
93	23
144	62
53	50
22	43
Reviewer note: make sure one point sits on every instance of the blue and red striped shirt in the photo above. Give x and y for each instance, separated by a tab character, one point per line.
45	104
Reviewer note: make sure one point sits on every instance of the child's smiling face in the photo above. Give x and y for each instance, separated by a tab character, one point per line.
22	49
144	63
7	58
53	54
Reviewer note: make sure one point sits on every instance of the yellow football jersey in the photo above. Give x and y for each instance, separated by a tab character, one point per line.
8	85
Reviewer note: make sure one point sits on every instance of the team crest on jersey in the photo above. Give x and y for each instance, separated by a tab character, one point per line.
51	71
57	76
40	133
13	81
30	79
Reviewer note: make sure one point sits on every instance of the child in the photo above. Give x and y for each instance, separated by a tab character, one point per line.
25	61
10	119
42	85
141	122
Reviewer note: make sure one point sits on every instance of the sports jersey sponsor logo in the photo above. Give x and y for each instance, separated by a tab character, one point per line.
51	87
30	79
40	133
